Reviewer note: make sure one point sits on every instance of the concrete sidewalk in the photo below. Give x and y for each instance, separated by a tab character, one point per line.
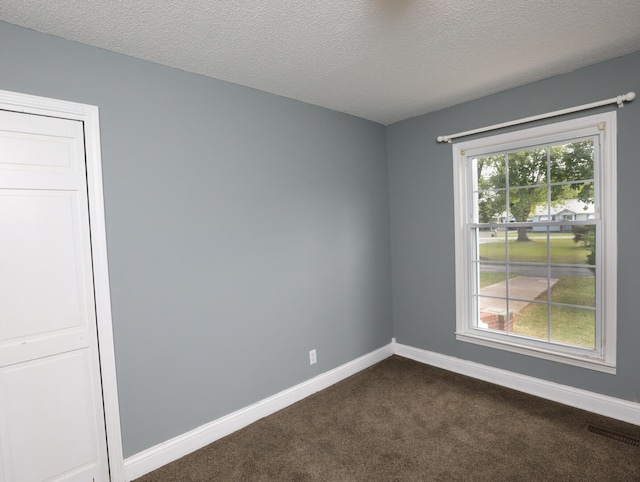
522	287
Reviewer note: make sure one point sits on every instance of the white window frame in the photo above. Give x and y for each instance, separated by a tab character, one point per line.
603	357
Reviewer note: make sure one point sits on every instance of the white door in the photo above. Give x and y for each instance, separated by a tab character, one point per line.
51	409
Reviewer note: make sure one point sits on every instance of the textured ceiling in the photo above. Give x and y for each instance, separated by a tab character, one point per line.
384	60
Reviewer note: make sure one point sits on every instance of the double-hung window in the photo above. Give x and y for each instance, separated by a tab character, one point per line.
535	227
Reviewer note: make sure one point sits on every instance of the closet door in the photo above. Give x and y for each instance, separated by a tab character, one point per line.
51	411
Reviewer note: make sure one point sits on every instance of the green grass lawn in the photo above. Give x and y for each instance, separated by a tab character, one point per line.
575	326
563	250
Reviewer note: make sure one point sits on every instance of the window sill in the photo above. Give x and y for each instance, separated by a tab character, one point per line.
514	347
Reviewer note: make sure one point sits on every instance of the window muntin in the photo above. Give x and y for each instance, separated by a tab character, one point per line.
530	235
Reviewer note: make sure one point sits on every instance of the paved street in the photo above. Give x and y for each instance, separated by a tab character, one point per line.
538	271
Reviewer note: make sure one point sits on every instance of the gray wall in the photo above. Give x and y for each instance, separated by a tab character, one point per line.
421	200
243	230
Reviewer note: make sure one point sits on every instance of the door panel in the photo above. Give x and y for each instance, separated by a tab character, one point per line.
30	142
51	412
31	152
41	281
48	409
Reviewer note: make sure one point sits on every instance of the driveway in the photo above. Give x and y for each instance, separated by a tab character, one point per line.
521	287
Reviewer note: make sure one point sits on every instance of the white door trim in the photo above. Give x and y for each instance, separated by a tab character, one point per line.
88	114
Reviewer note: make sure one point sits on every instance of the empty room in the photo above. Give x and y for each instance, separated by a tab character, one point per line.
372	240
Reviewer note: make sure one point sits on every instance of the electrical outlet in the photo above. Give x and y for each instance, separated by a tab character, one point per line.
312	357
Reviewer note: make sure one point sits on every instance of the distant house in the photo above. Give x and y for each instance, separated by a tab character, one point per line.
568	211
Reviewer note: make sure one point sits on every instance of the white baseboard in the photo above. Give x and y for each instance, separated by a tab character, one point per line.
574	397
166	452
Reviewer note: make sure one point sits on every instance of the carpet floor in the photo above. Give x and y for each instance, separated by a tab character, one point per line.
401	420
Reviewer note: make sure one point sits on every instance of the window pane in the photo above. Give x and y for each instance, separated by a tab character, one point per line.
493	248
574	245
492	279
528	204
489	172
572	162
572	202
530	248
527	288
490	206
492	313
574	290
527	168
532	321
537	270
574	326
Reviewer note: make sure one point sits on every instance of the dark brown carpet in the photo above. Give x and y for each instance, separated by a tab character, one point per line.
402	420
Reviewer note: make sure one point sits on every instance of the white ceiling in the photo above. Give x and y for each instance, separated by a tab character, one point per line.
384	60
